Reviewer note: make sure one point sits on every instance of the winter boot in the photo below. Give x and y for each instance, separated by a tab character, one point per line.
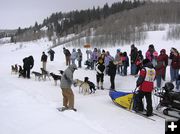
102	86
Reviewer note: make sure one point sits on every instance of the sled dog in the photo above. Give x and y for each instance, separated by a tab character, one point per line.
45	74
14	69
37	75
55	77
83	86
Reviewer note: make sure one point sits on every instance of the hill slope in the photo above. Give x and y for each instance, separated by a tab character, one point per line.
29	106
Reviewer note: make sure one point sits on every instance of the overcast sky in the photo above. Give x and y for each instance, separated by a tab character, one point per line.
24	13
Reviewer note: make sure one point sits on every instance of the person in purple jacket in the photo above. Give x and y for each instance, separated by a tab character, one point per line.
94	57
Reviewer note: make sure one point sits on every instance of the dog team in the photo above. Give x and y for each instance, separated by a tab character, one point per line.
85	87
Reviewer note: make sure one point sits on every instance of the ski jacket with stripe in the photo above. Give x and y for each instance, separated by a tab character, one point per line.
146	78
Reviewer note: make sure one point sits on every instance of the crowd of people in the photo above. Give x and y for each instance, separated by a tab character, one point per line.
122	61
148	68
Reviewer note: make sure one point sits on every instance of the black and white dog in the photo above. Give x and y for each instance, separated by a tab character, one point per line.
14	69
21	71
45	74
37	75
61	72
55	77
91	85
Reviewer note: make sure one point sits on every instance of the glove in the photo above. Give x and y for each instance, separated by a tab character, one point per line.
137	85
74	84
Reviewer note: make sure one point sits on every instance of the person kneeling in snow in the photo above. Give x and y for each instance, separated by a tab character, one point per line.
145	82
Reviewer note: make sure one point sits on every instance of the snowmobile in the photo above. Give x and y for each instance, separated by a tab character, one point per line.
169	101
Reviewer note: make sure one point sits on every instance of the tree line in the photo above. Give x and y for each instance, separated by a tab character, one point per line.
73	22
122	23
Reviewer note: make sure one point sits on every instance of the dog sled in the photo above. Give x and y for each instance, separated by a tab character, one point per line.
169	101
123	99
127	100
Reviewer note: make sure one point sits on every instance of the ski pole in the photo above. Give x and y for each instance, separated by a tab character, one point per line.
131	102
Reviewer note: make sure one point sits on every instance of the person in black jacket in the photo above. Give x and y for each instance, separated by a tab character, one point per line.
133	57
100	67
112	74
67	56
51	53
28	63
139	60
44	60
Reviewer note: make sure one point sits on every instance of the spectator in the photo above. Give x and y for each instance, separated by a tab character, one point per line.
112	73
154	59
94	57
44	60
165	62
133	56
67	56
175	64
88	52
160	69
125	63
139	60
73	56
107	59
100	73
149	53
79	57
117	60
51	53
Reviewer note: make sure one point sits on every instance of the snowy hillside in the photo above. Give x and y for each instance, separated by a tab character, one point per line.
29	107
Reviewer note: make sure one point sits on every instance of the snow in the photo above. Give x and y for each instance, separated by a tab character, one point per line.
28	106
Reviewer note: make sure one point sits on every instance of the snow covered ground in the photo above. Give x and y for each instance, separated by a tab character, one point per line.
29	107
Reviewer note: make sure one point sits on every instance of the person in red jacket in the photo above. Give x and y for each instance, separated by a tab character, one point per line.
160	70
165	62
145	82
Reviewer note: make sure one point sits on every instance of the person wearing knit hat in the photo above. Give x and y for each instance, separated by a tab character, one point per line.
145	82
66	83
145	61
